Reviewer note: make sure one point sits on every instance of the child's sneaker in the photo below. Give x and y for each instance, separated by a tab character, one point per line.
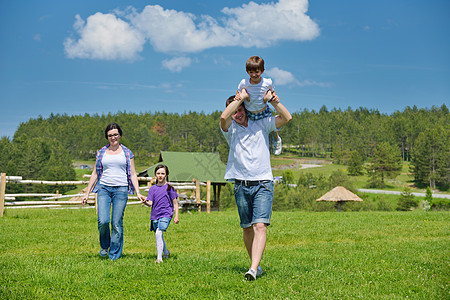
259	271
103	252
166	255
250	275
277	146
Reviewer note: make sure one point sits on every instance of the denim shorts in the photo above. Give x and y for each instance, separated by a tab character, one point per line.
254	203
161	223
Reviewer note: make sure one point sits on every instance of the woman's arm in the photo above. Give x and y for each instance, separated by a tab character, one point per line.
135	181
91	183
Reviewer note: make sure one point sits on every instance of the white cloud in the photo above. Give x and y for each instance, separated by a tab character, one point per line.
176	64
262	25
170	31
106	36
282	77
221	61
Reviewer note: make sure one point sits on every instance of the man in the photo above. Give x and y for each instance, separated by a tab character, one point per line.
249	167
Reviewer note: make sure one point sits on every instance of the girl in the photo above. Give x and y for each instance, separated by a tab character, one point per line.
164	200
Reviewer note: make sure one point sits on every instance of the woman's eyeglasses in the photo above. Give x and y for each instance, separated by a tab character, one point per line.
113	135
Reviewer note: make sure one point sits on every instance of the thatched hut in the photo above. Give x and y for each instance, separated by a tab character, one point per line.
339	195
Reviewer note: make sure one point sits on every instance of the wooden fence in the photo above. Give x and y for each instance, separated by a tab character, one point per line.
54	200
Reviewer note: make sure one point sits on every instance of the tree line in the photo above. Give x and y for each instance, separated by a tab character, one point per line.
43	148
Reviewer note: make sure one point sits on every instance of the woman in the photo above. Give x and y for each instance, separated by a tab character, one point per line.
114	177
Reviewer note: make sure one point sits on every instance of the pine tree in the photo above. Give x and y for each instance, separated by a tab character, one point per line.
355	164
385	163
431	157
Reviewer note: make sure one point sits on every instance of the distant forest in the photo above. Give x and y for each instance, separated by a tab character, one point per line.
421	136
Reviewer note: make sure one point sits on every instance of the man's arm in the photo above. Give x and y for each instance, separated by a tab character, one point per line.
284	116
225	118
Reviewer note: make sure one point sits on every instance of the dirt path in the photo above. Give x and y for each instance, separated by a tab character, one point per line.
300	163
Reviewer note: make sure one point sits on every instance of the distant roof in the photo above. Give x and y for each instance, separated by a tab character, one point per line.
185	166
339	193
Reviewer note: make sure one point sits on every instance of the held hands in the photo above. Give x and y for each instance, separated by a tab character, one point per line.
272	98
242	95
141	197
146	202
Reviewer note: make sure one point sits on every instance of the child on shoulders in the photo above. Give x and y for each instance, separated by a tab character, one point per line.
260	90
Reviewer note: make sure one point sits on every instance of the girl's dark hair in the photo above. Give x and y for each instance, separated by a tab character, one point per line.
112	126
161	166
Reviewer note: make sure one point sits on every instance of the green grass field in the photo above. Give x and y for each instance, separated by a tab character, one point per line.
48	254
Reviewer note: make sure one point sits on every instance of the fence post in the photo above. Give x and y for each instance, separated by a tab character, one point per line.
95	201
197	194
2	193
208	196
219	187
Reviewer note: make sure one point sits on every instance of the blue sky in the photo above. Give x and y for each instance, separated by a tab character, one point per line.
84	56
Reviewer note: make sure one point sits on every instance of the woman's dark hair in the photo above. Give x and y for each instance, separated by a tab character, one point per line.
112	126
161	166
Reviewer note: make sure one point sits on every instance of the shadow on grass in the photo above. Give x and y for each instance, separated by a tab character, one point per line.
240	269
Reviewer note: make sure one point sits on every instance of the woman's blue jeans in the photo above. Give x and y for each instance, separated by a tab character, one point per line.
115	197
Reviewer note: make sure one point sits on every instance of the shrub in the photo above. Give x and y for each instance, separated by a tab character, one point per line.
288	176
406	201
384	205
440	204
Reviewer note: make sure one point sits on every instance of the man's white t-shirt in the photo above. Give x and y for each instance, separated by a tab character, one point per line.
249	156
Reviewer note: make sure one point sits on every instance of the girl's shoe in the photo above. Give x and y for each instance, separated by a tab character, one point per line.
166	255
158	261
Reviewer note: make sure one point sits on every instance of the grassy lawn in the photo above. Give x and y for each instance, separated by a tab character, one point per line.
48	254
81	172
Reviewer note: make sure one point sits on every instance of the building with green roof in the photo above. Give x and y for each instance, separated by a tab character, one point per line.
186	166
